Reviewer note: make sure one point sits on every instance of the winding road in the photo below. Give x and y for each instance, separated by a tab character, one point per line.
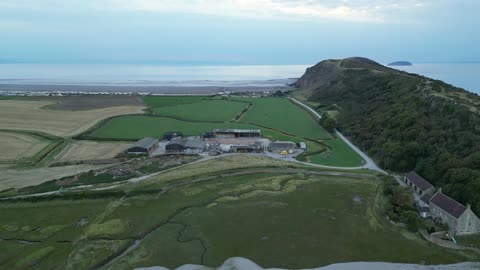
369	163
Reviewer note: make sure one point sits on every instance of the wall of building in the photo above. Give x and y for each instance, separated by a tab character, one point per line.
417	189
174	148
468	223
137	150
446	218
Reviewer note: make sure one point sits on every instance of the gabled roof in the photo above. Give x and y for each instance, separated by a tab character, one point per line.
448	204
282	144
177	140
192	143
188	143
418	181
145	143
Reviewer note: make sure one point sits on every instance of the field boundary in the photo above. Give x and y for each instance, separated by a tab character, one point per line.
53	143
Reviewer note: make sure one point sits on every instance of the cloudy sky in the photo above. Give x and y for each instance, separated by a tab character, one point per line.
238	31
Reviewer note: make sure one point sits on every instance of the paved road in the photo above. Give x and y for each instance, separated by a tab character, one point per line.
370	164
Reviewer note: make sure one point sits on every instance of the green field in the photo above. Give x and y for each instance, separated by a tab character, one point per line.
339	154
281	114
137	127
278	114
278	119
164	101
276	216
207	110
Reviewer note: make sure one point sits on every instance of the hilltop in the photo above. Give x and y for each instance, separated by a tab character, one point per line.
404	121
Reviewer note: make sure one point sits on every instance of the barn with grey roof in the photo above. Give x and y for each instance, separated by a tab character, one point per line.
185	145
143	146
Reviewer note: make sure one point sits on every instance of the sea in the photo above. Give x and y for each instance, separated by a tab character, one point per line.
463	75
89	77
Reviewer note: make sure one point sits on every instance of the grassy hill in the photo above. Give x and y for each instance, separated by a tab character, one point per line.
404	121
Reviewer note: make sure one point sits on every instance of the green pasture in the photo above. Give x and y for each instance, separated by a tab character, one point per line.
207	110
135	127
312	220
164	101
281	114
339	154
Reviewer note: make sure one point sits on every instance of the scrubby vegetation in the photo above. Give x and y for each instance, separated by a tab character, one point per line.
405	121
205	214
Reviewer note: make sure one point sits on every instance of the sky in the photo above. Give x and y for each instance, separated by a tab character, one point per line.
238	31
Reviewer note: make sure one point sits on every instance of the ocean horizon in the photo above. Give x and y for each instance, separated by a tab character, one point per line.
460	74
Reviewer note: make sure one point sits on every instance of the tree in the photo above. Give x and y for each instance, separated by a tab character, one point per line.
328	122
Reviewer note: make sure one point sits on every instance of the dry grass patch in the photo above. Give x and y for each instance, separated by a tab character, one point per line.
217	165
31	115
15	146
17	178
89	150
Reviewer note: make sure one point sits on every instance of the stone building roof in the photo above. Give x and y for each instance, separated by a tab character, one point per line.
418	181
448	204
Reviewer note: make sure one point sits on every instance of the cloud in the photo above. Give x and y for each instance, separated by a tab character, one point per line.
346	10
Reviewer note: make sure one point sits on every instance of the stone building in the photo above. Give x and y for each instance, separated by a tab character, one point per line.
418	183
461	219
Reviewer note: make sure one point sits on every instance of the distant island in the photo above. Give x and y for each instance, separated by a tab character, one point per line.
400	63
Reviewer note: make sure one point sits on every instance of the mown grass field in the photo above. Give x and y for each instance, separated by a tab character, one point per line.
207	110
281	114
24	177
16	147
339	154
137	127
90	150
31	116
165	101
278	218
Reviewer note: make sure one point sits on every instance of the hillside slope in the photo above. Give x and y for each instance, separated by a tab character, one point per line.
404	121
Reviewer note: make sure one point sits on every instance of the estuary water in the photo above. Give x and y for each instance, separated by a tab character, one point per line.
27	76
148	74
463	75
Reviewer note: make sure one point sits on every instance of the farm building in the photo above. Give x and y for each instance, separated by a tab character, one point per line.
461	219
144	146
280	146
418	183
263	144
172	134
185	145
237	133
303	146
246	148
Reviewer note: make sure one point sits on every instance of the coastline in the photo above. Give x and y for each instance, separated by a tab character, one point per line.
66	89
